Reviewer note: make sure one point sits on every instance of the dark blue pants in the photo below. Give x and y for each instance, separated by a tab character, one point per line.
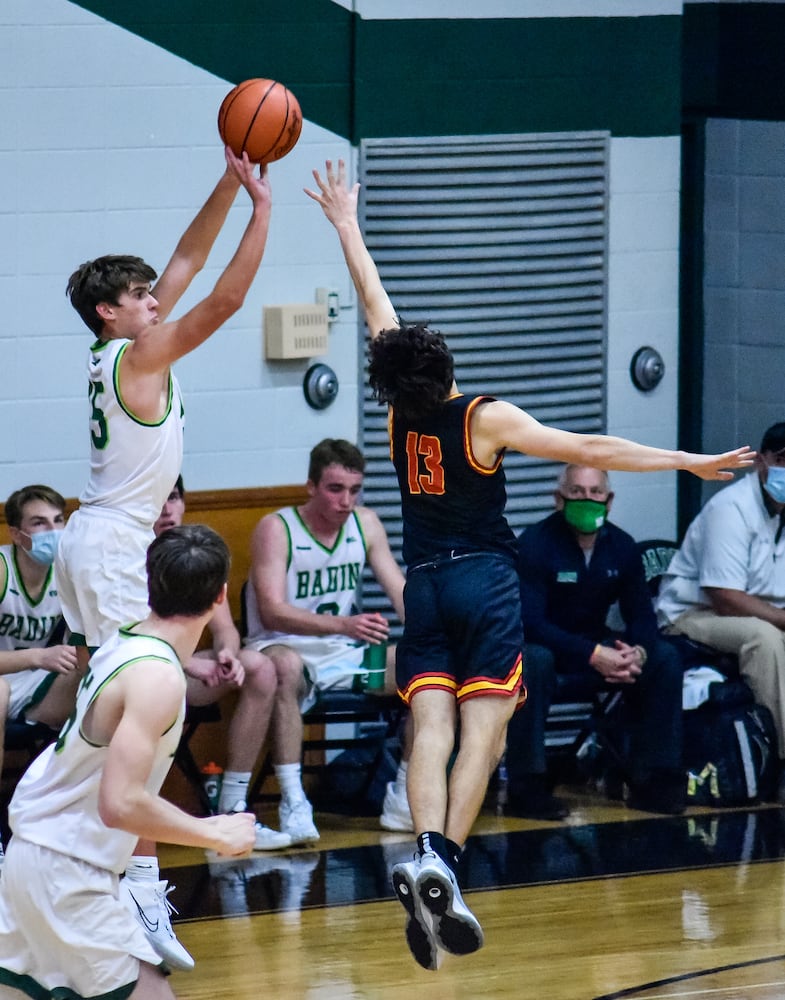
652	711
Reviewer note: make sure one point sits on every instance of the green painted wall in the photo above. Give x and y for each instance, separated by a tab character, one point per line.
733	60
377	78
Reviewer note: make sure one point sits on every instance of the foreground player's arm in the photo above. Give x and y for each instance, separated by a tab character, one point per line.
158	346
340	206
269	563
137	722
500	425
381	560
191	253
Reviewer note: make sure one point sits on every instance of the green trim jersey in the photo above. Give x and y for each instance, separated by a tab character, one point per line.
55	804
320	580
133	464
26	623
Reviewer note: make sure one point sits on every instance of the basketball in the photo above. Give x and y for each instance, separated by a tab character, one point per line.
261	118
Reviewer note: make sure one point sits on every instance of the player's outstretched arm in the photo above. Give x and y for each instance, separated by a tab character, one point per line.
339	203
191	253
499	425
157	347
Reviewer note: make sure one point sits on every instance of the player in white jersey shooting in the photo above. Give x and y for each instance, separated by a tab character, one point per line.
136	434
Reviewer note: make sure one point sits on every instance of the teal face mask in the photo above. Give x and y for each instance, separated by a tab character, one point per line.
775	483
586	516
44	546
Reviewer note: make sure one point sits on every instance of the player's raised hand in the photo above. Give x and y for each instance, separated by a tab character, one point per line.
256	184
338	201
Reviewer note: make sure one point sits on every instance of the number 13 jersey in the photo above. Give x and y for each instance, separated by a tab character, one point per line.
449	501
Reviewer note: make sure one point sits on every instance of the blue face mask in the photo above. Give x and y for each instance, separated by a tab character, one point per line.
44	546
775	483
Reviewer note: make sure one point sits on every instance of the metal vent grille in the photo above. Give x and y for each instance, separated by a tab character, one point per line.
501	243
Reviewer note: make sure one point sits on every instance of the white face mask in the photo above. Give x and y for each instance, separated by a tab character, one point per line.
43	547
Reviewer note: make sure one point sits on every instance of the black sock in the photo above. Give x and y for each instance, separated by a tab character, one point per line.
454	852
433	843
436	843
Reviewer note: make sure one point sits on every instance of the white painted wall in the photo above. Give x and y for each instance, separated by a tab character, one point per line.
643	297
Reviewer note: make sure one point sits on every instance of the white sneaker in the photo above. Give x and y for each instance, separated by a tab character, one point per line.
148	902
296	819
396	814
455	927
419	922
267	839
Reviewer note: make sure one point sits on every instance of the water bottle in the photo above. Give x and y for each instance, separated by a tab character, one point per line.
212	775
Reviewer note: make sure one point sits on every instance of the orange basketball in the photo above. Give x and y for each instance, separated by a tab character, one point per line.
261	118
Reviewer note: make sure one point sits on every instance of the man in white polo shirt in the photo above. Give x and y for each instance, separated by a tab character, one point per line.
726	585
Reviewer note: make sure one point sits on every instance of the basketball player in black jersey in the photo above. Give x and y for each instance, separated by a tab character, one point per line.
460	656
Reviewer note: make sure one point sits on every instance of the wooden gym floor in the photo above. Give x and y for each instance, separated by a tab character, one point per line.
611	904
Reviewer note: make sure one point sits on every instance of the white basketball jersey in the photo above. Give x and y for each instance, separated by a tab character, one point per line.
320	580
55	804
26	623
133	464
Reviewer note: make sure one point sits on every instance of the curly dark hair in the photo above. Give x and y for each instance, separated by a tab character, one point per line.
410	368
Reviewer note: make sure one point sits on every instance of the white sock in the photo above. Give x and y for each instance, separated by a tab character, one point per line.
234	791
290	781
143	869
400	778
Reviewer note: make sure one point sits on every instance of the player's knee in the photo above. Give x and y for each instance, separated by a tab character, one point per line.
288	672
260	673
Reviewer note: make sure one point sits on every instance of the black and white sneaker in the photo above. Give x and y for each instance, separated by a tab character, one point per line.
455	927
149	903
419	933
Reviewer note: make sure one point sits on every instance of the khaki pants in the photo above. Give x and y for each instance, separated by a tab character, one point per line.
760	648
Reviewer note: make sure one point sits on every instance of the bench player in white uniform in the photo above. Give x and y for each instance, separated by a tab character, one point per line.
38	681
301	606
79	809
135	428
